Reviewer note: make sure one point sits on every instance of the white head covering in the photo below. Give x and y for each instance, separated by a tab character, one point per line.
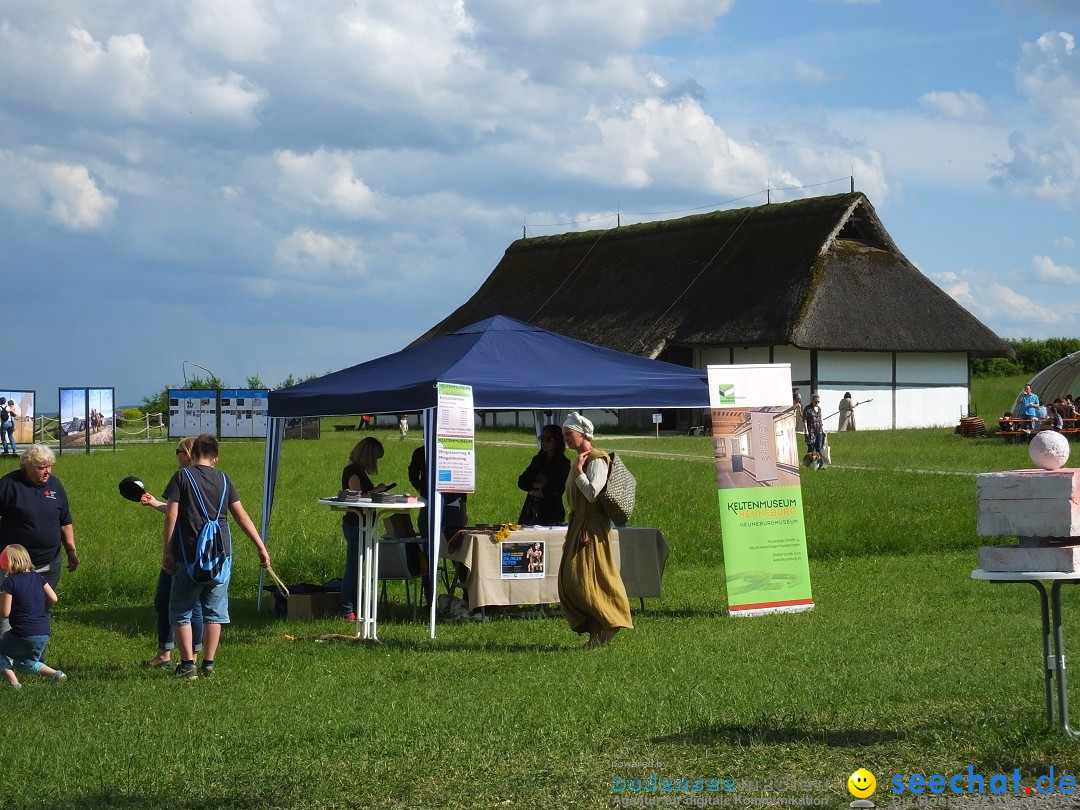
575	421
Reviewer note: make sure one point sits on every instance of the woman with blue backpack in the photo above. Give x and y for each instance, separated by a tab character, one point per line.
198	551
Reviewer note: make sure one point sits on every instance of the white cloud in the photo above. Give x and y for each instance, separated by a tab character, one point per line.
589	30
63	67
807	73
1045	163
997	304
310	255
1065	243
1047	270
959	104
675	144
325	180
237	29
60	191
1047	170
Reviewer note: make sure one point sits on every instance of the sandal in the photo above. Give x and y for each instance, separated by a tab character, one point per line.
157	662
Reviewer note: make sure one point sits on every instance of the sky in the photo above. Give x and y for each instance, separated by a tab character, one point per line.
272	188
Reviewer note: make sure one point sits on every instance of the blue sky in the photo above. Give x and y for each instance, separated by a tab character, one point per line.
267	188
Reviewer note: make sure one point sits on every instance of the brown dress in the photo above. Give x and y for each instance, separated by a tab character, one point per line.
590	585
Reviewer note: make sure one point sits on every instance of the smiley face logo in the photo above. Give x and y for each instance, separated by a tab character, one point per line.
862	784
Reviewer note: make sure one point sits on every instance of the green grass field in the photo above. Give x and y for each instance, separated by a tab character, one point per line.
905	665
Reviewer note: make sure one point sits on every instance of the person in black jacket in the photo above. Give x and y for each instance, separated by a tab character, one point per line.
544	480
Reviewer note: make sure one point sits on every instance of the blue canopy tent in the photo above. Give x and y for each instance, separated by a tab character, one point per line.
510	366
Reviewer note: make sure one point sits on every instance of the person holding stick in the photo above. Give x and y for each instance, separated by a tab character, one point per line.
183	522
166	642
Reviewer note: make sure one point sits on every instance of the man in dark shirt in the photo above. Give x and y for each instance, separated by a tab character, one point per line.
815	433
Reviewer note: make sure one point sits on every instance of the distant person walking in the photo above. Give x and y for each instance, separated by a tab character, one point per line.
403	425
7	426
847	412
815	432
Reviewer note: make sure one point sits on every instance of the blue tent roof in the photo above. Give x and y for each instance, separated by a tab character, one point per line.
510	365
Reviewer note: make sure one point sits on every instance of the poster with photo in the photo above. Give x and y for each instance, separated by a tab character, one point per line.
191	412
22	407
759	489
523	560
243	413
86	418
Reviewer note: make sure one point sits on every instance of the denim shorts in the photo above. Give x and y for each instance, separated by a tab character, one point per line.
25	653
185	593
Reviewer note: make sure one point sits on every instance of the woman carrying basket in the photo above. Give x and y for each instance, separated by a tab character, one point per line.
591	589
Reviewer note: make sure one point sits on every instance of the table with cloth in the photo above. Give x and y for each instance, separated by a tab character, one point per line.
641	554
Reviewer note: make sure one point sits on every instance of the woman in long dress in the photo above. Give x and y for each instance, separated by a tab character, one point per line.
847	412
591	589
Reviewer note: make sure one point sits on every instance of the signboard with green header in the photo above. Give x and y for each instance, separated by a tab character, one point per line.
760	496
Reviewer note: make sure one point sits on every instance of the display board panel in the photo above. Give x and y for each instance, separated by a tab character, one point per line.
192	411
243	412
87	418
23	405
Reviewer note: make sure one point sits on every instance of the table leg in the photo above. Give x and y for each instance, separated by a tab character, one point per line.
1049	666
367	552
1059	660
1049	663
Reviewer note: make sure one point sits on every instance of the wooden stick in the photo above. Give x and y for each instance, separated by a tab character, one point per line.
277	581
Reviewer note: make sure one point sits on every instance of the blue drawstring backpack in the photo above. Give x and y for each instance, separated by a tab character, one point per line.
211	564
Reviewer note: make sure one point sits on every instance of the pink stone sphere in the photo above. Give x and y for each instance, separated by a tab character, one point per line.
1049	449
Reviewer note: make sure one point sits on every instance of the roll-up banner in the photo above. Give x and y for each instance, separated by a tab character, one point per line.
757	480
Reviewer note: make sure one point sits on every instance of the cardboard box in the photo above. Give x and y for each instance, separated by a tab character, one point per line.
305	605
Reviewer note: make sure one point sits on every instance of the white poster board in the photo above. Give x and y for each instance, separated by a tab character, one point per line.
191	412
455	443
243	413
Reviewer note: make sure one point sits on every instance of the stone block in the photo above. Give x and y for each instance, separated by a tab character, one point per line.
1064	559
1029	503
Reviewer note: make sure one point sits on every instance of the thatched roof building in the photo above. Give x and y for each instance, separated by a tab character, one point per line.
816	274
817	283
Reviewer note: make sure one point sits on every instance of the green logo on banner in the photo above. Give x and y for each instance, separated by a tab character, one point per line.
727	393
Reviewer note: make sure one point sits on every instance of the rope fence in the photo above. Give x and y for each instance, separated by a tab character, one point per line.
149	428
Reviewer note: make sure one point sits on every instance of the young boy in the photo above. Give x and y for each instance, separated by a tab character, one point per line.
25	598
183	521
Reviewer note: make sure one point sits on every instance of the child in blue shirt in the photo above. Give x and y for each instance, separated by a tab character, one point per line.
25	599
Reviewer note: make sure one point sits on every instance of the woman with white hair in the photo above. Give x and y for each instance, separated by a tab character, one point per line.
34	513
591	589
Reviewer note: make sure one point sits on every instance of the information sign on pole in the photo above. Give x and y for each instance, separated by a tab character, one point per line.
455	442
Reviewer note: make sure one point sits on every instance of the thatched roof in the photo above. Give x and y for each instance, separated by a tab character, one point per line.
820	273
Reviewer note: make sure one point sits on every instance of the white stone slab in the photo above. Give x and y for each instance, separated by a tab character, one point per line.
1029	503
1065	559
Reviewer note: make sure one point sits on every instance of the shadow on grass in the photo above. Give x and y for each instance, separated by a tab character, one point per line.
128	802
438	647
711	734
139	622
